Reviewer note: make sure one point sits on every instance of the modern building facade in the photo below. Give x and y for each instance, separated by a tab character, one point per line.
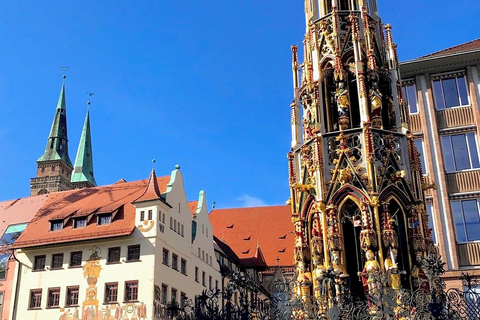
442	92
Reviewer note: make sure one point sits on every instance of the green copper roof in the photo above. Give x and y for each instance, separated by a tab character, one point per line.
83	170
57	143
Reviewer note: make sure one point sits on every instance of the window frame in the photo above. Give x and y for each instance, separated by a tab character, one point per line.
164	294
76	221
70	264
56	225
165	257
464	224
33	303
4	266
36	262
109	257
132	253
183	266
54	265
440	78
196	274
423	159
53	298
406	96
70	297
102	216
174	261
111	290
131	288
448	151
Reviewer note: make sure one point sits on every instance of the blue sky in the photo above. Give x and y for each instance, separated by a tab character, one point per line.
203	84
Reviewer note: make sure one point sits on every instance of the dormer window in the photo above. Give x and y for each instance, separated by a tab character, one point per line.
80	222
56	225
104	219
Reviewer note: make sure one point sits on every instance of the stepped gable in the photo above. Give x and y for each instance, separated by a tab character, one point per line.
246	230
90	202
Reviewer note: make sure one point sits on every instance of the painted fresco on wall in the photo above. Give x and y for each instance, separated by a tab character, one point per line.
127	311
90	309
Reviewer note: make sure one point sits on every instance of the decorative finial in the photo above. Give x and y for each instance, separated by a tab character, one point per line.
153	163
88	102
64	72
177	166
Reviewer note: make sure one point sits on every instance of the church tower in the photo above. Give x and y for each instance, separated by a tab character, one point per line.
356	183
82	176
54	168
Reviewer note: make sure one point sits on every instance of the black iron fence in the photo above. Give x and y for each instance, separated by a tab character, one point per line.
240	301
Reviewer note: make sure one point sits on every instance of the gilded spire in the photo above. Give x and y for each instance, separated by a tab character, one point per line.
83	170
57	143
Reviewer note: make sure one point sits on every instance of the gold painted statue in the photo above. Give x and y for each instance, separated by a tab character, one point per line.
370	272
343	106
391	267
376	105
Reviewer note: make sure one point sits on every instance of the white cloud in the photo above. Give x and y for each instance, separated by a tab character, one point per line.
249	201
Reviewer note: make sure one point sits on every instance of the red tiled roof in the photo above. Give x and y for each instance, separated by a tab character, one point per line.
115	198
243	228
151	192
192	205
19	210
464	47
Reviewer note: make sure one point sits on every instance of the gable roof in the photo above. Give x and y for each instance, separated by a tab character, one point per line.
152	191
256	233
464	47
68	205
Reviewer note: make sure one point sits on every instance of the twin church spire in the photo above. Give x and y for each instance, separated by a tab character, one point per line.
54	168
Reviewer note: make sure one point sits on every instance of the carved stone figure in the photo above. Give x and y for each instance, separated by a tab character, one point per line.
369	273
376	105
343	106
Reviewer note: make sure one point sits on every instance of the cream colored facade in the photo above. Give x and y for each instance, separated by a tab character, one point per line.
164	270
442	91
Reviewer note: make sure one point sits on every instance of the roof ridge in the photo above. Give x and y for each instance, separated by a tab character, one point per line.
439	52
152	192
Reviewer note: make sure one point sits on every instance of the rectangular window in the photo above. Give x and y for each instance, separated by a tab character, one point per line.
3	265
467	220
75	259
165	257
203	278
181	232
113	255
410	96
164	293
196	274
210	282
460	152
133	253
104	219
430	221
57	261
150	214
35	299
72	296
174	261
142	215
183	266
450	92
183	299
56	225
419	145
174	294
111	292
39	263
175	225
216	284
80	222
53	297
171	223
131	291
